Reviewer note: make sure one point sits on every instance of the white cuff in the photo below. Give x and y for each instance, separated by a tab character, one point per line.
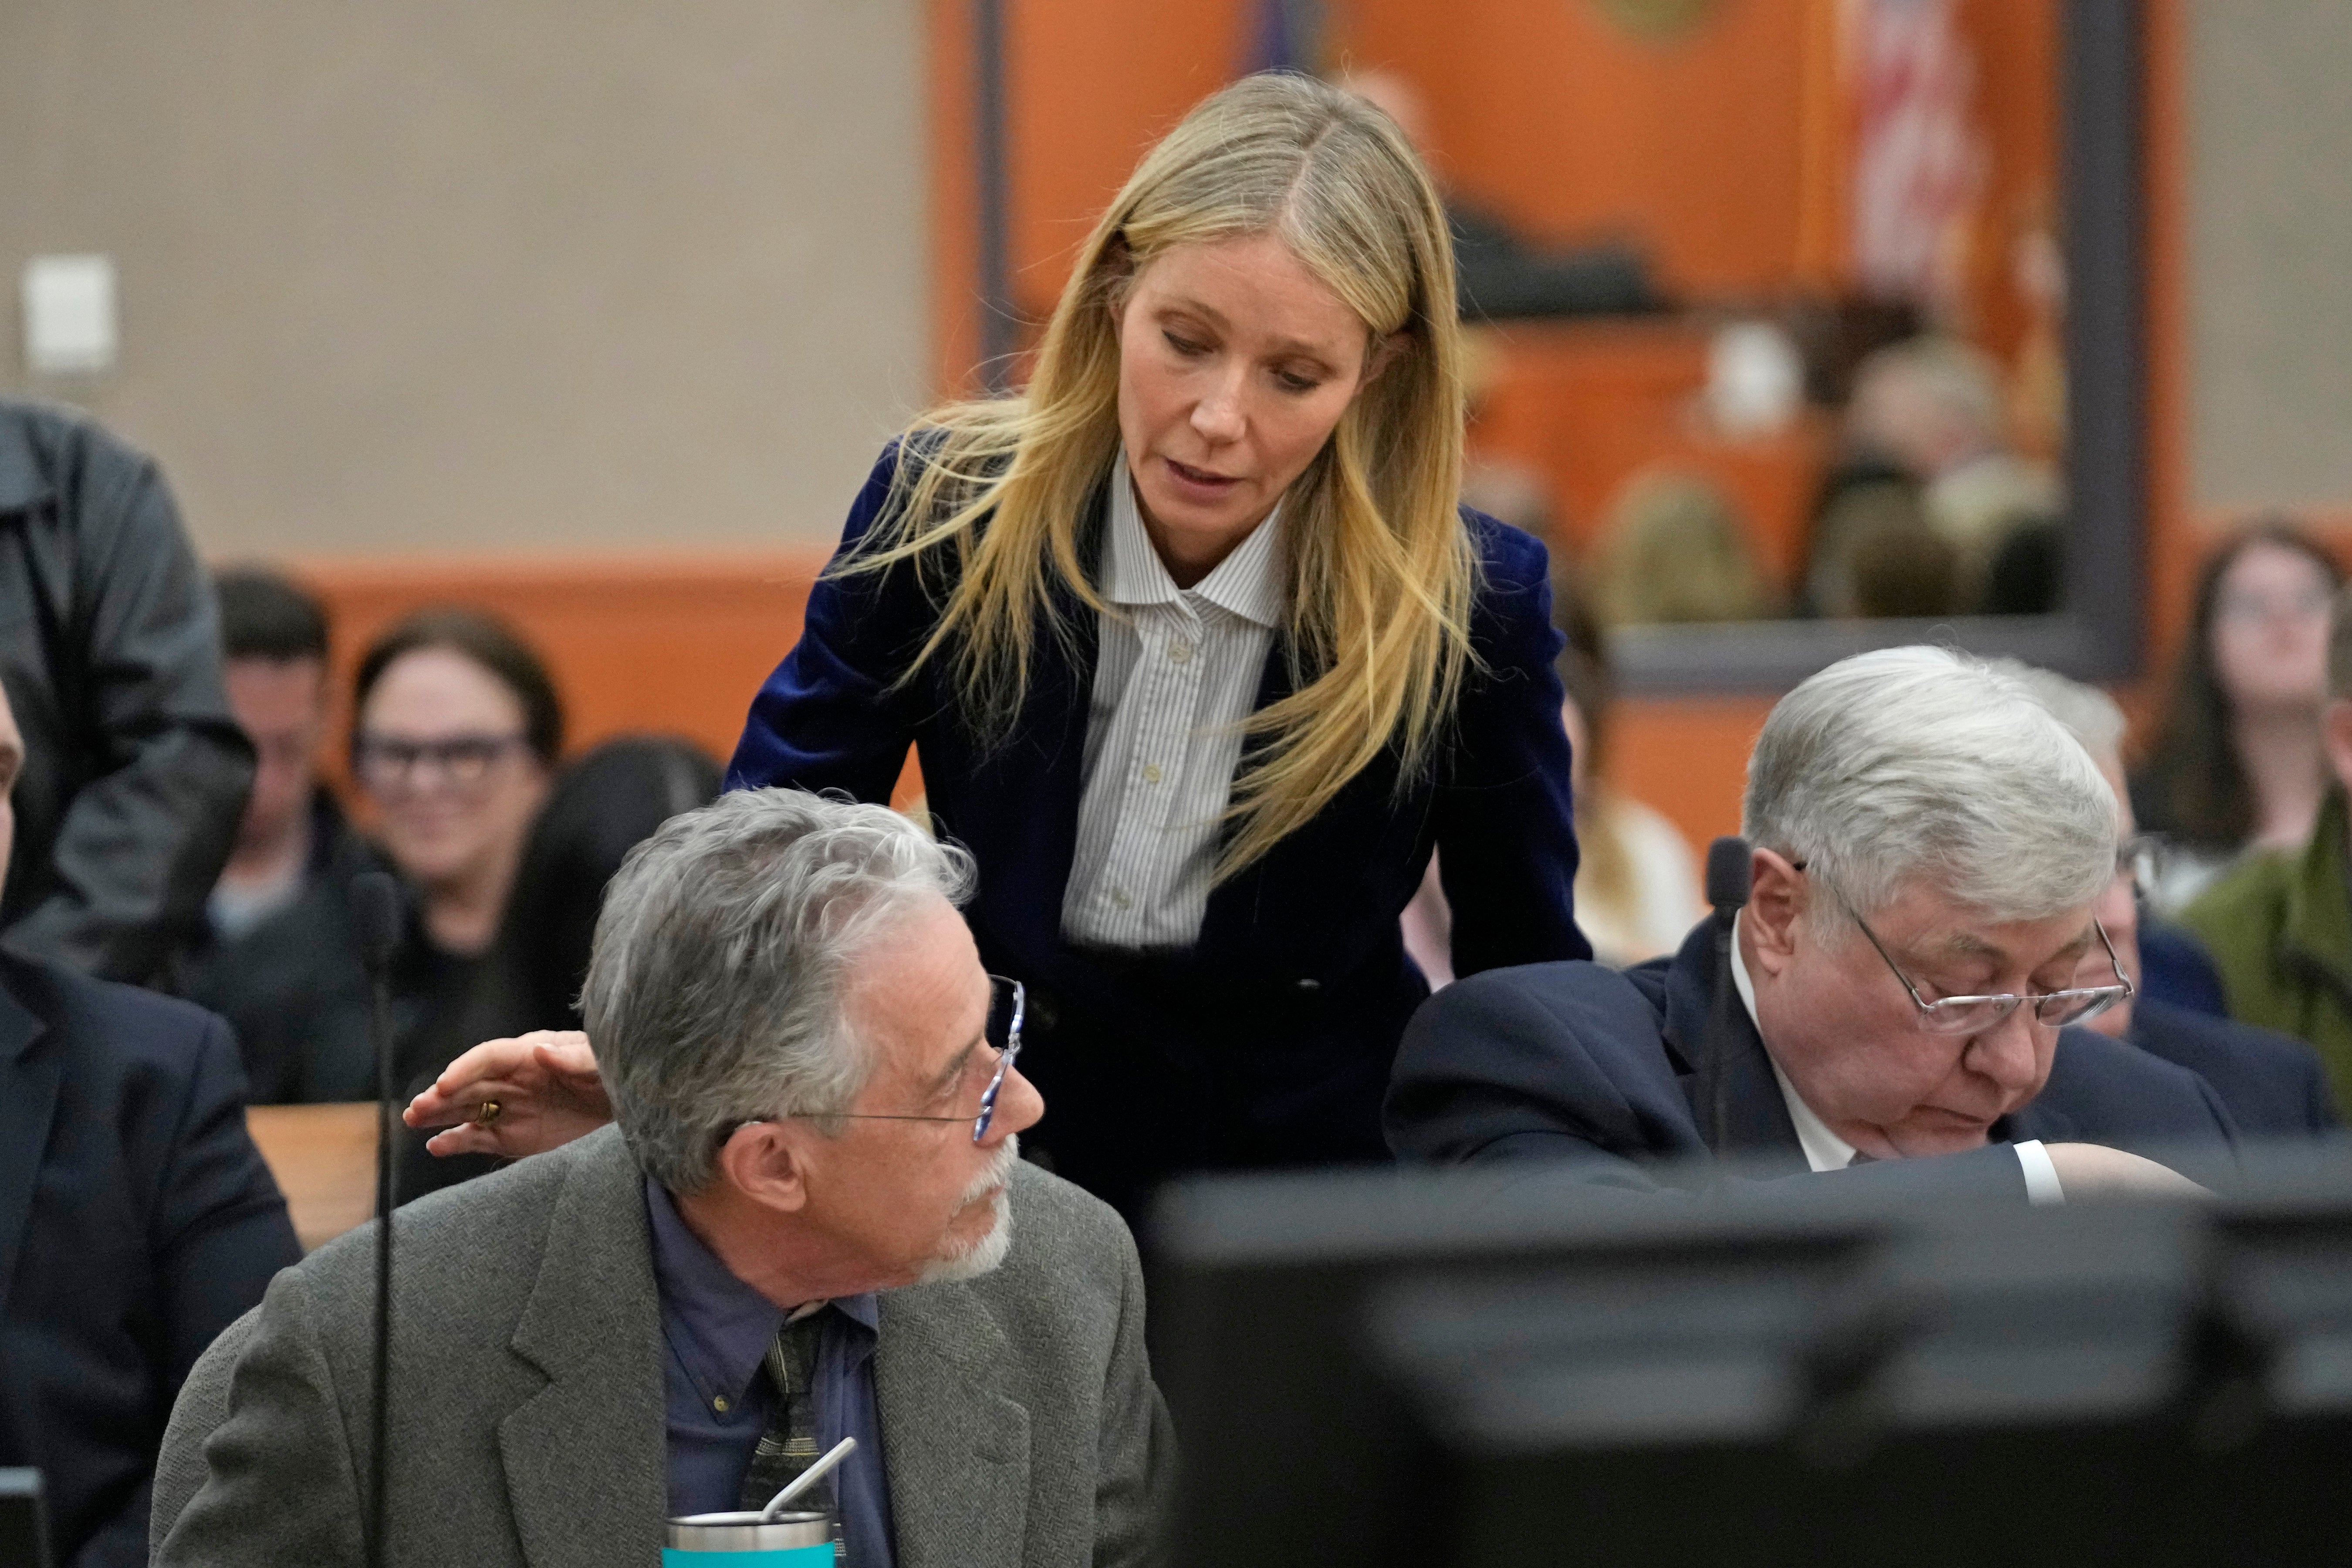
2041	1177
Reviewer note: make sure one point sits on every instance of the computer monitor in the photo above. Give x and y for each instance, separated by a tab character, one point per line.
23	1528
1446	1369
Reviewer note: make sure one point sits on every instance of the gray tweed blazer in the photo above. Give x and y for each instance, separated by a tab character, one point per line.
1020	1424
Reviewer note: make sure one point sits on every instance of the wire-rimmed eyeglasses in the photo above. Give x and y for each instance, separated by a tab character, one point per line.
1008	1003
1975	1014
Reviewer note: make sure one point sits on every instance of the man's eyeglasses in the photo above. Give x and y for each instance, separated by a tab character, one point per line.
1008	1002
385	763
1975	1014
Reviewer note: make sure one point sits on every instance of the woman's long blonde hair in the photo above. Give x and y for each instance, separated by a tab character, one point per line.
1381	568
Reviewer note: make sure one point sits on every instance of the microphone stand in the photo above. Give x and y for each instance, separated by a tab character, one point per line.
376	902
1729	874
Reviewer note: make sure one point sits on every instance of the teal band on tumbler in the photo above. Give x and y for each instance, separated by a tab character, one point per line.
818	1556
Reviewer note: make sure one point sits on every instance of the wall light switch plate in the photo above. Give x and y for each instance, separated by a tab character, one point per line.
70	321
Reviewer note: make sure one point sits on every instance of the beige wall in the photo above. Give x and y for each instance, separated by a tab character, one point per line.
2270	258
521	274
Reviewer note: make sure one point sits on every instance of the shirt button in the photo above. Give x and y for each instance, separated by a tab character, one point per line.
1118	896
1180	653
1151	772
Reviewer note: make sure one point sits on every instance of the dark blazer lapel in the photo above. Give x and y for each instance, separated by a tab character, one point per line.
28	1103
1758	1130
1228	931
587	1458
955	1448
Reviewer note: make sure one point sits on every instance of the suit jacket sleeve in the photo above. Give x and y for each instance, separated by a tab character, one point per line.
281	1484
141	845
221	1230
828	718
1136	1474
1506	822
219	1233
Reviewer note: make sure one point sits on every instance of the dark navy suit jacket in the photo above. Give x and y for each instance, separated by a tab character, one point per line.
1603	1074
137	1220
2272	1083
1270	1041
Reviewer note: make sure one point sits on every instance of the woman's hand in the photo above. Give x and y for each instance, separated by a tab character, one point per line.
544	1087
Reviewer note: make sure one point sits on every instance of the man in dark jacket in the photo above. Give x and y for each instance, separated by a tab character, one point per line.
110	654
137	1220
1889	1007
279	955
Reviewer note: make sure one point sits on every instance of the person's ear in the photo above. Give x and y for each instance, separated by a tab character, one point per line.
2336	732
1115	278
1778	895
1385	352
763	1161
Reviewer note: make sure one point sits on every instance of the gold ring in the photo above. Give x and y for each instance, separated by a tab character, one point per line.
487	1113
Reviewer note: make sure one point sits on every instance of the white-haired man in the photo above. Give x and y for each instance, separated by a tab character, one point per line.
812	1222
1928	843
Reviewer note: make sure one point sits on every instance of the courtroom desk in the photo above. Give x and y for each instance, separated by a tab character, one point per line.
324	1159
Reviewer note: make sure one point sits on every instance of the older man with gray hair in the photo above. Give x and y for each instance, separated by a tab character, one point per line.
1925	846
811	1222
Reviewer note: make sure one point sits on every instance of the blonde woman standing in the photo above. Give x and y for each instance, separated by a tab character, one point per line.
1200	658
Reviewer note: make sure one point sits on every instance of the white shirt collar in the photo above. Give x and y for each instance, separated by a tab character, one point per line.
1246	582
1824	1149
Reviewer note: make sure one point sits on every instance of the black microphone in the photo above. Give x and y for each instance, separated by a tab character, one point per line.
381	918
1730	871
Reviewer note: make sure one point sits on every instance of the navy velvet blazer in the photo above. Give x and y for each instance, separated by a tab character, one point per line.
137	1221
1602	1074
1287	1010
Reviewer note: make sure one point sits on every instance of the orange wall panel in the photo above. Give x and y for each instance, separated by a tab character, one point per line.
1547	112
1092	87
1686	757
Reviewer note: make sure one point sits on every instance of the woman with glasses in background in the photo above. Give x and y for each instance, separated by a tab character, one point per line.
456	734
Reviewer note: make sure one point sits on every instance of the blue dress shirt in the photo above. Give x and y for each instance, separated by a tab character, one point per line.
716	1331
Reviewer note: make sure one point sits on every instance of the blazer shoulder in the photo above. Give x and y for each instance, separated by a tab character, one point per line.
2108	1087
41	444
1059	1225
1507	554
1571	1049
123	1025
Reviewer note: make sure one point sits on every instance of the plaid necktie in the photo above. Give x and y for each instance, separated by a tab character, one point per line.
789	1445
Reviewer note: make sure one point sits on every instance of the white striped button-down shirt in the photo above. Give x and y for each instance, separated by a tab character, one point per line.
1177	675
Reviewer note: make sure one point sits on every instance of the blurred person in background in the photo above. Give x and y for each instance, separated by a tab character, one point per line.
2273	1084
1931	407
601	806
1875	557
457	729
110	650
2279	924
2237	762
1637	886
1673	550
1201	657
279	958
137	1221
